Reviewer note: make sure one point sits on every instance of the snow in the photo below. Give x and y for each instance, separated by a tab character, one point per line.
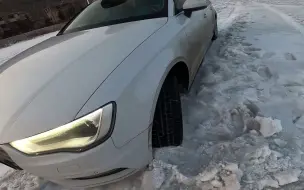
268	182
3	169
287	19
216	183
233	167
280	143
208	175
243	118
287	177
231	182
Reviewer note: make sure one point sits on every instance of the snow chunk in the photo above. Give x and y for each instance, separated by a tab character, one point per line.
277	154
281	143
158	177
206	186
286	177
268	182
259	155
208	174
182	178
253	132
231	182
147	181
232	167
216	183
269	126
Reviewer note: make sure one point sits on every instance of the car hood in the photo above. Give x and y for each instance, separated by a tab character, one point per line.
46	85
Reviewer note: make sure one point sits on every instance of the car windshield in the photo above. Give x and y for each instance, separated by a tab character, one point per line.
108	12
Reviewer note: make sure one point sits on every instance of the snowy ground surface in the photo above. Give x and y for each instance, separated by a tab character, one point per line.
243	118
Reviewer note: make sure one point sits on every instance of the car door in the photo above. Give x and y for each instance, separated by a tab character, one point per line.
198	34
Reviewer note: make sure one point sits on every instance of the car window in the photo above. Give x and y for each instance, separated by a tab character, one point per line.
100	14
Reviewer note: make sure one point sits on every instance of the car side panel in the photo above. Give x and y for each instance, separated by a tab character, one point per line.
136	83
199	31
210	13
197	37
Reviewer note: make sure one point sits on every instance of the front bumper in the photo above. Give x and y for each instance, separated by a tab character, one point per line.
100	165
96	181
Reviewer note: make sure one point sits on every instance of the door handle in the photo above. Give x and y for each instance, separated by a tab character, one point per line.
205	15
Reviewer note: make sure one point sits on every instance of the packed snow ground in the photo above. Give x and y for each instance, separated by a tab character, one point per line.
243	118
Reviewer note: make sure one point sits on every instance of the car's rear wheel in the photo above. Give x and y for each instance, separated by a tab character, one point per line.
168	122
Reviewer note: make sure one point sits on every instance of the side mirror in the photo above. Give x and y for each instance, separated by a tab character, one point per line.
194	5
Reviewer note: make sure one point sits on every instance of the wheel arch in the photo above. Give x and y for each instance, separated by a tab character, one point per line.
178	68
181	72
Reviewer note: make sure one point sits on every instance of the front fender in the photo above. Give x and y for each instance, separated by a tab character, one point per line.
136	83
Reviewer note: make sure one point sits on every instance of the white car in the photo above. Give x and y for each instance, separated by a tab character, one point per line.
86	107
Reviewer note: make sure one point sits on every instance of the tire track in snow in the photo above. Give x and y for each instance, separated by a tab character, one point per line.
225	22
289	20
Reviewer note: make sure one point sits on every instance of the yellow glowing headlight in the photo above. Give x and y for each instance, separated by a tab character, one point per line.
74	136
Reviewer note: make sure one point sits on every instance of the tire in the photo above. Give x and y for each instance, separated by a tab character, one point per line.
215	32
167	127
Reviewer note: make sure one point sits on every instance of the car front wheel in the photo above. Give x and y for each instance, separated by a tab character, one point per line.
168	122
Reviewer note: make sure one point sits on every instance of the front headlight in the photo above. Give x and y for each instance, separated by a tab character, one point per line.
74	136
